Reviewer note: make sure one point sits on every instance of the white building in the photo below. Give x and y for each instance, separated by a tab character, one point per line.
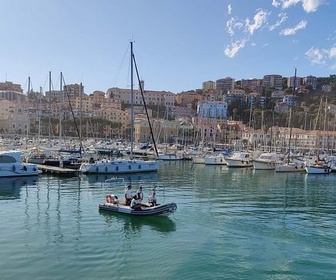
212	109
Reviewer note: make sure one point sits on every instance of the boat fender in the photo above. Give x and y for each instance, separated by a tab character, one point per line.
117	168
106	169
25	168
13	168
97	169
242	162
129	167
139	166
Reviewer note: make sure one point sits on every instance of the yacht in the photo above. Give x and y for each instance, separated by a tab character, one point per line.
12	165
239	159
267	161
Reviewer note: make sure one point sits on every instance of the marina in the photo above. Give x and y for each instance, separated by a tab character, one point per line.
230	223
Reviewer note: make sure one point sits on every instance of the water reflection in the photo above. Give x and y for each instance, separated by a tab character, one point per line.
100	178
10	187
133	224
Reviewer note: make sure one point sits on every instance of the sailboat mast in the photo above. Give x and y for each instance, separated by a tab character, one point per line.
28	124
80	110
49	101
39	116
61	109
290	133
132	102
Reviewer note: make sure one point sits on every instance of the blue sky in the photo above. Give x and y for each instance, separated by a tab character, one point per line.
178	44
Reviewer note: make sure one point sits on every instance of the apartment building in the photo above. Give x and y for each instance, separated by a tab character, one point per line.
273	81
151	97
13	120
208	85
212	109
225	84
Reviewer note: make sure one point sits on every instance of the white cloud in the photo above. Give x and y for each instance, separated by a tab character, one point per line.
332	52
322	56
316	56
282	18
258	20
288	3
291	31
229	9
232	24
308	6
311	6
275	3
232	50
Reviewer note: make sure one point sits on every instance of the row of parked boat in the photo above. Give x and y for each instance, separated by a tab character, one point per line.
14	163
271	161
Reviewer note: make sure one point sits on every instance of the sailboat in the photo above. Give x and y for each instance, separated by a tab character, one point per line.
290	165
320	165
123	166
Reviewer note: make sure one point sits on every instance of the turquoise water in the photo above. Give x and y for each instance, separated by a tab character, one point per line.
230	224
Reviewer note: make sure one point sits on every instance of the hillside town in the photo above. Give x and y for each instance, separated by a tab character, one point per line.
207	115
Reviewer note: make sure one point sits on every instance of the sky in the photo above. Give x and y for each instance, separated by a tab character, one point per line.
178	44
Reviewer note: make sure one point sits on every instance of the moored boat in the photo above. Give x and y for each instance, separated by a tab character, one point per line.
267	161
11	165
291	166
215	160
240	159
119	166
123	166
198	159
318	169
318	165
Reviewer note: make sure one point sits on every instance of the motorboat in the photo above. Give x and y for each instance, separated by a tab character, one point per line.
215	159
11	165
295	165
318	165
267	161
143	209
198	159
318	169
239	159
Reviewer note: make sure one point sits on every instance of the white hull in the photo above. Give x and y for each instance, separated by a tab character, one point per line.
215	160
198	160
119	167
317	169
290	167
11	165
267	161
240	159
238	163
263	165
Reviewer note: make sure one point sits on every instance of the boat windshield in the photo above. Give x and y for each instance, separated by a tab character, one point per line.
7	159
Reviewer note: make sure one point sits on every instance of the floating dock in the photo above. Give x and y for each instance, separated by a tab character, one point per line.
48	169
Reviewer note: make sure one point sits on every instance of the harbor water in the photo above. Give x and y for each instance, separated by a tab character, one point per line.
229	224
